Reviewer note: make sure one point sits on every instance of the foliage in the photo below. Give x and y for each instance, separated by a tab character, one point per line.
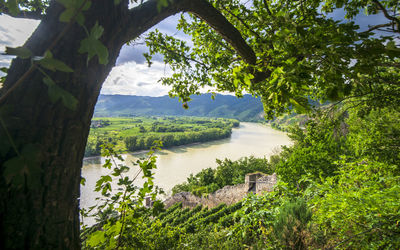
121	210
292	227
354	202
315	150
359	207
332	135
228	172
375	135
286	121
301	53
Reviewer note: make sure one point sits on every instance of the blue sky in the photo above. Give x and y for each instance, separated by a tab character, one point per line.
131	75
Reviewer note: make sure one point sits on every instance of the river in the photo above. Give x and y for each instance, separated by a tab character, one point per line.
175	164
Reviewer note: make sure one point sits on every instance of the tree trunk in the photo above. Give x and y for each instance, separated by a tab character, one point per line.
43	213
39	188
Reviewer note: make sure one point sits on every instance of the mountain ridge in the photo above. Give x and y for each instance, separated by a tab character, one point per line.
246	108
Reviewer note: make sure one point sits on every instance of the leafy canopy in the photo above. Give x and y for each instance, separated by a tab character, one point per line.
301	52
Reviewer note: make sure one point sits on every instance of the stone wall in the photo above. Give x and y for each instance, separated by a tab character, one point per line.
228	194
266	183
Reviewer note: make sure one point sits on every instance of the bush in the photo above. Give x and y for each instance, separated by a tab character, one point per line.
292	225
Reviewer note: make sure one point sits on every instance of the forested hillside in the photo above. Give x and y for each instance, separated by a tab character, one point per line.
247	108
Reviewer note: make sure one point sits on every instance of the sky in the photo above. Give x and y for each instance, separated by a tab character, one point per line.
131	74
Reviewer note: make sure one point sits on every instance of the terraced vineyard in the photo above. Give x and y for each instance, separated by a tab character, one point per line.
191	220
174	228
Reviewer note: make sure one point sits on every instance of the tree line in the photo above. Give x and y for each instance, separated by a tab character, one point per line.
226	173
140	133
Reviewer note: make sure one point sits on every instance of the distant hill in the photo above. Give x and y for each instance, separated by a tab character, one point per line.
247	108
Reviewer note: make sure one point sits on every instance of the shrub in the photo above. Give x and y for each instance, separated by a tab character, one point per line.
292	225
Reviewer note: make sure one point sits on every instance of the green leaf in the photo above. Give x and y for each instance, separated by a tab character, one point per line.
24	168
96	31
93	46
3	77
4	70
80	19
391	45
20	52
107	178
96	238
67	15
56	93
300	108
52	64
74	8
290	61
83	181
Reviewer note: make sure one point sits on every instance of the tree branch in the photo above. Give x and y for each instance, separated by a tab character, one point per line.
184	56
375	27
243	22
386	14
267	7
145	16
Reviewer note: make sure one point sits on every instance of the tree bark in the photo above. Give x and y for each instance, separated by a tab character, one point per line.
46	215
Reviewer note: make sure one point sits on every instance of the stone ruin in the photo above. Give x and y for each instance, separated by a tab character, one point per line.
256	183
259	182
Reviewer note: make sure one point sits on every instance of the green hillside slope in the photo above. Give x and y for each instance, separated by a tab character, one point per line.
247	108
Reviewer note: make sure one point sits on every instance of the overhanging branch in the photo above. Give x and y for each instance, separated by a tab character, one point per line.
145	16
377	27
386	14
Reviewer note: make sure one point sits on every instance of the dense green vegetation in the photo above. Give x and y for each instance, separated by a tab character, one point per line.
140	132
247	108
284	122
228	172
339	187
339	183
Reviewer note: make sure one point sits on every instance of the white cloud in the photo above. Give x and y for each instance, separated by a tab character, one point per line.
131	76
135	52
13	33
137	79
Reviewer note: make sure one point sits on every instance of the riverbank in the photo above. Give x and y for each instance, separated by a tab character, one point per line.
139	133
175	164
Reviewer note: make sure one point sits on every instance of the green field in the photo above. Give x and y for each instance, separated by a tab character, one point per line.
139	133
